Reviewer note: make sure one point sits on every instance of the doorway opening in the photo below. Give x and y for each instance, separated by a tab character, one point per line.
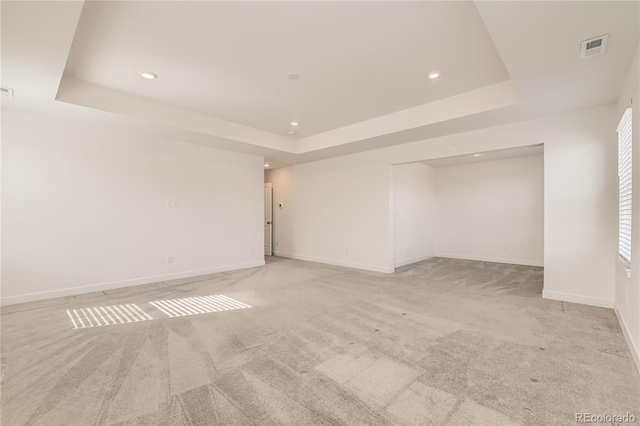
268	219
483	206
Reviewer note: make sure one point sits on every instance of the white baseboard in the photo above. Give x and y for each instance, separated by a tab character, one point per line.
32	297
576	298
335	262
413	260
633	347
492	259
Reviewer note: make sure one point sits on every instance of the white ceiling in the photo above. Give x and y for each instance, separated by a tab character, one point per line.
499	154
540	44
223	65
356	60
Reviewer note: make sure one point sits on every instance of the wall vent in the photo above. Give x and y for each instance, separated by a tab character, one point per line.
593	47
6	92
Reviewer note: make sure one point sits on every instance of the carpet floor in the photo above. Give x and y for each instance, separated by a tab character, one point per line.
442	341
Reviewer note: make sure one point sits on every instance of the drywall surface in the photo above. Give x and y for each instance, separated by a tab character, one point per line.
85	208
414	213
492	211
581	212
627	297
333	211
347	201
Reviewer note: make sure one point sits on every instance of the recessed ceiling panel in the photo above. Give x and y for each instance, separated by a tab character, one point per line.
354	60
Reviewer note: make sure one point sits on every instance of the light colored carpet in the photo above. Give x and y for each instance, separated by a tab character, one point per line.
438	342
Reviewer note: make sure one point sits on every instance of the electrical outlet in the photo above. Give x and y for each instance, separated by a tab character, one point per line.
170	259
175	205
277	243
168	204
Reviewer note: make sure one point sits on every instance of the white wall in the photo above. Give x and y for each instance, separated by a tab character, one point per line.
334	212
492	211
84	208
102	192
579	200
414	211
581	213
627	297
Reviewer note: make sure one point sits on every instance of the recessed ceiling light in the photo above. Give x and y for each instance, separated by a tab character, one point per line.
266	165
292	132
293	76
147	75
434	74
477	155
294	123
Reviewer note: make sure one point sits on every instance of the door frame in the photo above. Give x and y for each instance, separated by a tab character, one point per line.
268	220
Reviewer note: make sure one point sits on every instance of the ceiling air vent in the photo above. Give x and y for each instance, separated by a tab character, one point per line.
6	92
593	47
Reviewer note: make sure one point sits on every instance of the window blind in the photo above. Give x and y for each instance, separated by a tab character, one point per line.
624	186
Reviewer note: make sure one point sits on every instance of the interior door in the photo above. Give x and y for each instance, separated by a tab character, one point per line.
268	219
